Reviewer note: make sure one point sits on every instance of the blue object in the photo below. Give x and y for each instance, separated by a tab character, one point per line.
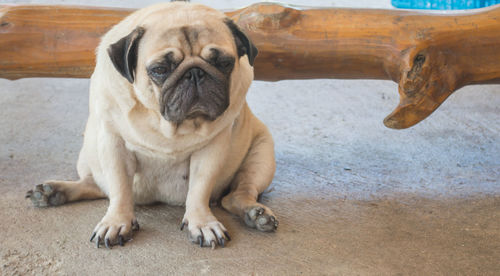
443	4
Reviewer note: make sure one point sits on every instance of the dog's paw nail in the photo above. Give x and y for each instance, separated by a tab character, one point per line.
135	225
212	244
275	221
120	240
93	236
183	225
227	236
200	241
106	243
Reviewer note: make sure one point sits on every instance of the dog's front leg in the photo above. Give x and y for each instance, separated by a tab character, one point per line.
118	167
205	166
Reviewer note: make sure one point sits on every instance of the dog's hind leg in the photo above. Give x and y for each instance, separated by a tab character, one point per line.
55	192
253	177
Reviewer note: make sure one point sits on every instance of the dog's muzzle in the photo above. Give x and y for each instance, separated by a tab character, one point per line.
195	94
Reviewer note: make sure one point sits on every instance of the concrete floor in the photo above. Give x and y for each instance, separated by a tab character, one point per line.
352	197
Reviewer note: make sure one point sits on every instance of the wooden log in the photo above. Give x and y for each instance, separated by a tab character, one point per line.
52	41
428	55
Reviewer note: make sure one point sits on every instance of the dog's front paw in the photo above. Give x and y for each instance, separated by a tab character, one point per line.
114	229
44	195
205	230
260	217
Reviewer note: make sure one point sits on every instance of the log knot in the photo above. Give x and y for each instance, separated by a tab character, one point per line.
269	17
418	62
415	78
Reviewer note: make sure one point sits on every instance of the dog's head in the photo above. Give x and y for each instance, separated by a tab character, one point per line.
187	58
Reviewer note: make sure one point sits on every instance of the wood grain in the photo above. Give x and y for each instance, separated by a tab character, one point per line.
428	55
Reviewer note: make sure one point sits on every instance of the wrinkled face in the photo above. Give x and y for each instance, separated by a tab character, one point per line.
192	79
188	68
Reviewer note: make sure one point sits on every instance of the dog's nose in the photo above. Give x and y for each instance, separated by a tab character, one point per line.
194	74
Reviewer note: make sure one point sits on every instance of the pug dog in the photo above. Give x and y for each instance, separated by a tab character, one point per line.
168	122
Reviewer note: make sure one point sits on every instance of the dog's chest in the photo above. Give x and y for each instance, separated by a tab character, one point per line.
161	179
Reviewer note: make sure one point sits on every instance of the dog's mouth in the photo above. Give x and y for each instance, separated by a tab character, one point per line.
194	91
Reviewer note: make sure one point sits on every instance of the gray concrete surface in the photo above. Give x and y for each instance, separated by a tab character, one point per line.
353	197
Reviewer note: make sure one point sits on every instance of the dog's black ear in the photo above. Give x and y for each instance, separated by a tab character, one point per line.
123	53
243	43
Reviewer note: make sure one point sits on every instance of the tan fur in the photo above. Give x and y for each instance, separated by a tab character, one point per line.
133	155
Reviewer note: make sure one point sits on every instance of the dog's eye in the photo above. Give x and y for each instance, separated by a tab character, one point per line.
222	62
225	64
159	70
